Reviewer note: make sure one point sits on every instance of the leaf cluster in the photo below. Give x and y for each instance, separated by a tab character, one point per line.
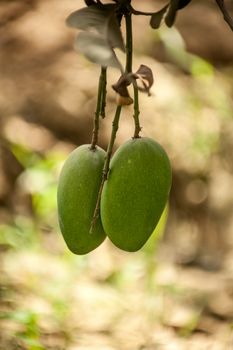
100	33
100	26
168	13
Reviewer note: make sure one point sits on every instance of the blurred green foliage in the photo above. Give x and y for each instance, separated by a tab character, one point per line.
40	180
29	334
21	233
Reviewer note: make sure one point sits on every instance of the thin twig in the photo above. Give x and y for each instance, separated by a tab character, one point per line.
227	17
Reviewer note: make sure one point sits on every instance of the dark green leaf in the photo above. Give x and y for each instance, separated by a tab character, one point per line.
90	2
96	49
175	5
183	3
157	17
100	19
171	15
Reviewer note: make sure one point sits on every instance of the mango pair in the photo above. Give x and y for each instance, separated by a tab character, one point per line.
132	201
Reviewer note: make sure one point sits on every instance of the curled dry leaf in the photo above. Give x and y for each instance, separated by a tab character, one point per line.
123	97
123	101
145	75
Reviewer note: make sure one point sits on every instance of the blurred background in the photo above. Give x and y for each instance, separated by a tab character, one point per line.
176	292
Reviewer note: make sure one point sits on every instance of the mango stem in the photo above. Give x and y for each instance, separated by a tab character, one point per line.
115	123
129	64
100	106
137	128
115	126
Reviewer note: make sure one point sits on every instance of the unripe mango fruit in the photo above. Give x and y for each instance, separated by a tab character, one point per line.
135	193
78	188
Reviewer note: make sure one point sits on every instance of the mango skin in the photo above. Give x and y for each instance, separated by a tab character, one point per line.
78	188
135	193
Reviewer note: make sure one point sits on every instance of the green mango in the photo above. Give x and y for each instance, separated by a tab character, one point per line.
77	193
135	193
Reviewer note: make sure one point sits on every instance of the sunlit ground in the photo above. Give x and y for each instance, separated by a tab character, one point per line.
109	300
